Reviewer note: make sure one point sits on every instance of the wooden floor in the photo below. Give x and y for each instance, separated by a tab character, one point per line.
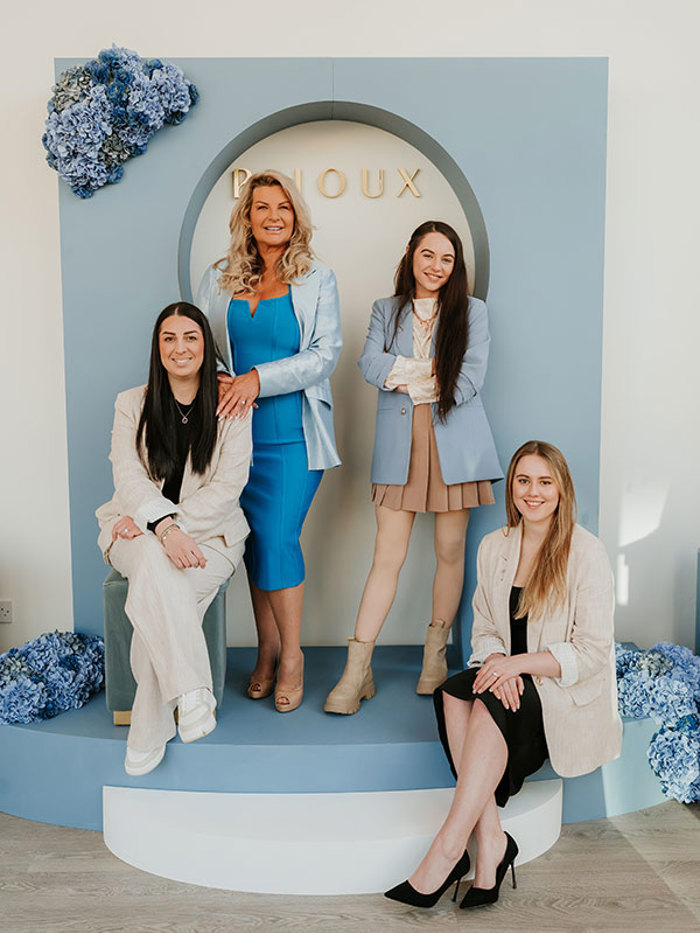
636	872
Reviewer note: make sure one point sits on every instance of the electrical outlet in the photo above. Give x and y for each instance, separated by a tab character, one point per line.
5	610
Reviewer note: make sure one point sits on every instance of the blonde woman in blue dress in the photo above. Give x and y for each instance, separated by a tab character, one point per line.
274	313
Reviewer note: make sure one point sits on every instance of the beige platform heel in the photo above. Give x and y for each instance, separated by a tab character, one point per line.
356	684
434	672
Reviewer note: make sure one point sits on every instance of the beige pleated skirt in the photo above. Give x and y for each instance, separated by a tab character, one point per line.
425	490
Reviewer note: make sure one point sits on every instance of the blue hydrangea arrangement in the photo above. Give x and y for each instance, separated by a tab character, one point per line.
105	111
664	683
51	673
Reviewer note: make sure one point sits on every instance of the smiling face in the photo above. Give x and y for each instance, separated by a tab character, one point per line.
433	262
271	216
181	345
535	492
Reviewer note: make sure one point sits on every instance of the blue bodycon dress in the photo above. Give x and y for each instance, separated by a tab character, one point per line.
281	487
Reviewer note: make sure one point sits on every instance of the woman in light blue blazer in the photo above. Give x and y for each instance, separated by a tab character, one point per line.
275	318
426	352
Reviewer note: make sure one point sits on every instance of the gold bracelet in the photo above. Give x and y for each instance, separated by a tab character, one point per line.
163	535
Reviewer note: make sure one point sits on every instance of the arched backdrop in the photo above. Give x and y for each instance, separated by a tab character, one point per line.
522	142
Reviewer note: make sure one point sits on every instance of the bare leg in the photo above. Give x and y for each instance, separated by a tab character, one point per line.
287	606
457	713
390	549
450	536
481	766
268	635
491	845
489	835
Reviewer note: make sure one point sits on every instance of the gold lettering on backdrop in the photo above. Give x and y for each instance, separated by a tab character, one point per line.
373	187
365	184
322	183
240	177
408	183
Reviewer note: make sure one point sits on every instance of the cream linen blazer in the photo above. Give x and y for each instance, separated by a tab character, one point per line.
208	509
579	709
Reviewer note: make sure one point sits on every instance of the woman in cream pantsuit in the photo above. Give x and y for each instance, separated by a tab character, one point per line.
174	528
541	681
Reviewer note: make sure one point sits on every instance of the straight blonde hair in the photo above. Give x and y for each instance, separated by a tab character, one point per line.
546	588
242	267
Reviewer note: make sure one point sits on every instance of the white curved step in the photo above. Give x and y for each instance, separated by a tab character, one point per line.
355	843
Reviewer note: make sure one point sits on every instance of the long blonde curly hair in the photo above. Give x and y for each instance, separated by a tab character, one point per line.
242	267
546	587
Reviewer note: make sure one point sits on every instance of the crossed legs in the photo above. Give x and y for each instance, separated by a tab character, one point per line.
169	655
480	755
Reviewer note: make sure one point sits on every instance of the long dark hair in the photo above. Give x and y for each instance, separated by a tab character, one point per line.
453	310
157	426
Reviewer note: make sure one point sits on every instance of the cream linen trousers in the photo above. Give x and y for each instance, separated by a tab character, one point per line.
166	606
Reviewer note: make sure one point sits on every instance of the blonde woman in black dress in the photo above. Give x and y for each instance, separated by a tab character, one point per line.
541	681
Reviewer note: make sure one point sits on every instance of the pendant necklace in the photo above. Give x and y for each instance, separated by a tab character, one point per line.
183	414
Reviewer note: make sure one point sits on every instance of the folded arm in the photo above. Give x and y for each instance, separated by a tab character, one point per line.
473	371
417	376
375	363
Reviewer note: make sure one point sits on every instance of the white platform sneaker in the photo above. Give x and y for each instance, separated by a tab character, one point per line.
196	714
139	763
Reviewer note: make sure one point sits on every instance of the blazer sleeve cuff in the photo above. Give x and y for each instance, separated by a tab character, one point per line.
566	656
397	374
486	646
154	510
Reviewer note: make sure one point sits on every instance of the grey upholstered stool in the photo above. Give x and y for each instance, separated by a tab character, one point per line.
120	686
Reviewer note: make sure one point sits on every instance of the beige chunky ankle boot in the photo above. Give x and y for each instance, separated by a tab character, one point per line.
434	670
356	683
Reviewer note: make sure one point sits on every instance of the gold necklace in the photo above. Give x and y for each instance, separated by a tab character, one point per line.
427	320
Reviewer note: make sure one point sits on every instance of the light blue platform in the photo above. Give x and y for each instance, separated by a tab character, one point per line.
54	772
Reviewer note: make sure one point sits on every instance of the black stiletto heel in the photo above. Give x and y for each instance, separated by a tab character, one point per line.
407	894
479	897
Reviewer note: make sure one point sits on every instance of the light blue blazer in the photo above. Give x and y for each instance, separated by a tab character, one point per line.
315	302
465	445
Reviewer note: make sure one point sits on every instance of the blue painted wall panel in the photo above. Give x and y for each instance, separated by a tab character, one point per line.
528	134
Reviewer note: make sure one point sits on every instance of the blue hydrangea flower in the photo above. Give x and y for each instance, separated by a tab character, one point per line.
173	92
674	756
106	111
686	665
625	658
664	683
51	673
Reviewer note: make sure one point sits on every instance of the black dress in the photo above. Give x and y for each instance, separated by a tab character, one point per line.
522	729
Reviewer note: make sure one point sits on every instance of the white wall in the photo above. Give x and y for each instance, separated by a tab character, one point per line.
649	492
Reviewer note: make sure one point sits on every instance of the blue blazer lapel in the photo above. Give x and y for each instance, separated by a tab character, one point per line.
403	344
304	300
